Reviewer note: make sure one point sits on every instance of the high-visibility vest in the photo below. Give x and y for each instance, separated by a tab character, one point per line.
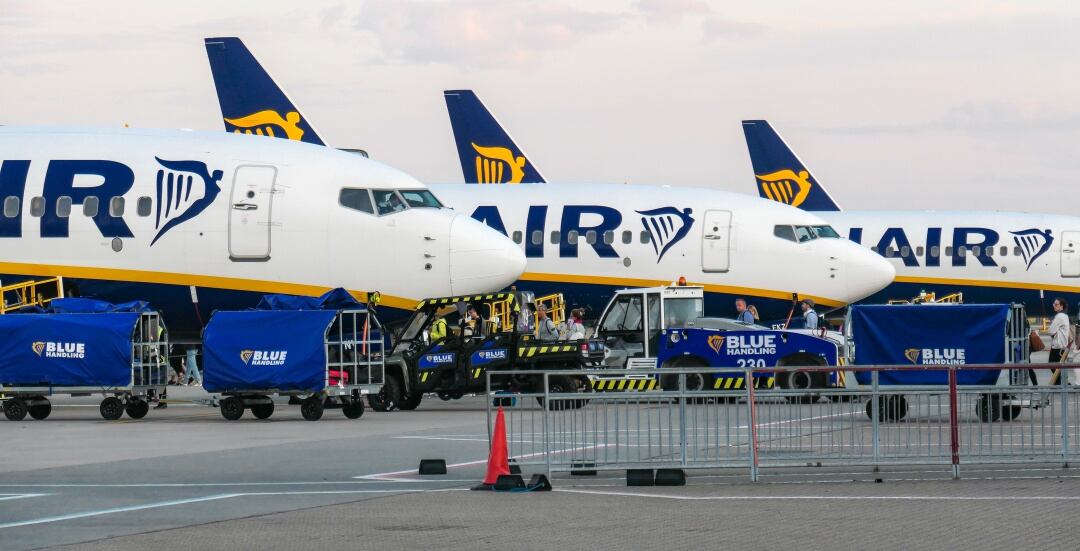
438	330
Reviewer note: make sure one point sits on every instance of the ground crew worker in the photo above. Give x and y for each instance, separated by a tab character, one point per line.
545	328
470	325
810	317
745	316
438	329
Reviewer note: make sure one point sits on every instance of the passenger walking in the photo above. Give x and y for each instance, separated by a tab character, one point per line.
745	315
1059	337
576	331
810	316
191	366
754	312
545	328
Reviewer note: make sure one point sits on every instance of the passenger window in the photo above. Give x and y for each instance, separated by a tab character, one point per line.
11	206
948	250
555	237
388	201
961	251
989	251
91	205
590	237
356	199
609	237
976	250
116	207
537	237
918	250
1004	251
63	206
37	207
627	237
143	206
571	237
784	232
905	251
935	251
645	237
890	252
1016	251
517	237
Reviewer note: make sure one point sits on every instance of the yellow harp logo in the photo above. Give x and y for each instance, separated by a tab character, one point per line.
715	342
492	163
263	123
38	347
245	356
785	186
912	354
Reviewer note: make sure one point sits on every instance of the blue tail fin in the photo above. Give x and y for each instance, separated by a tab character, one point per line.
251	102
780	175
488	154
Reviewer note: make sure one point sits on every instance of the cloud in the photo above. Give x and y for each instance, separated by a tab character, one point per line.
987	117
477	32
672	11
714	27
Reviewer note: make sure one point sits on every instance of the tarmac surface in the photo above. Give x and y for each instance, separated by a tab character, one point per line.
185	477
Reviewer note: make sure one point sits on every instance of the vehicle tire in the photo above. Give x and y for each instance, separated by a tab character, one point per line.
312	408
890	408
803	381
411	401
1010	413
560	384
988	408
137	408
232	408
40	411
352	408
389	396
15	409
263	411
111	408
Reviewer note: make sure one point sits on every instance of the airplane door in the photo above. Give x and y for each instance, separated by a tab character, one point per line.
1070	254
715	242
250	204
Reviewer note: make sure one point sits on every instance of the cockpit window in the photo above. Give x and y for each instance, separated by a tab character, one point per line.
784	232
420	198
388	201
356	199
826	232
802	234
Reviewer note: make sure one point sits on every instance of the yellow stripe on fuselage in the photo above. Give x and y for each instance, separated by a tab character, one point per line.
989	283
170	278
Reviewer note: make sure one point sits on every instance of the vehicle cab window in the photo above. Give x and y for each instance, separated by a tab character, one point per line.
624	315
356	199
387	201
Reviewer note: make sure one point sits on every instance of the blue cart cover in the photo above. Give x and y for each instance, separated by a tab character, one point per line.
67	349
256	350
334	299
94	306
930	335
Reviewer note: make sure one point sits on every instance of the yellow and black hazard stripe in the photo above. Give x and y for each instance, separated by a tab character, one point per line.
476	372
424	376
464	298
625	385
735	383
530	351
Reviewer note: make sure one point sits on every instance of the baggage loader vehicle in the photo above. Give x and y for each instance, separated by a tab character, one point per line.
325	352
941	335
457	364
83	347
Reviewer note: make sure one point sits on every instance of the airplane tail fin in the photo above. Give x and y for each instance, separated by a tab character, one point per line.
780	175
488	154
251	102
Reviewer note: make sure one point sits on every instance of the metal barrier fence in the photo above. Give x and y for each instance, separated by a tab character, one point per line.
758	426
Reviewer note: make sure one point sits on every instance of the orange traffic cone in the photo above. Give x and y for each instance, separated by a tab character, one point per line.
498	458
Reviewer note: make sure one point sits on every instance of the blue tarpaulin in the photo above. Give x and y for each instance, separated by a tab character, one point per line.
930	335
94	306
253	350
67	349
334	299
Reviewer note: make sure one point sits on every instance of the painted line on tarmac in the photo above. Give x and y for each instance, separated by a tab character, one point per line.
824	498
204	484
10	497
392	476
173	503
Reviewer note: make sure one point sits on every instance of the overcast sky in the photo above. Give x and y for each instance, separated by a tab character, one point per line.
916	104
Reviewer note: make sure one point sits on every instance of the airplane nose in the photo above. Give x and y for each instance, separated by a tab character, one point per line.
869	273
482	260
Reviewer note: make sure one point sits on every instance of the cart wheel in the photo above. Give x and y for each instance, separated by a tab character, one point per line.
232	408
263	411
389	396
890	408
15	409
988	408
111	408
352	408
411	401
40	411
560	384
312	408
1010	413
137	408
